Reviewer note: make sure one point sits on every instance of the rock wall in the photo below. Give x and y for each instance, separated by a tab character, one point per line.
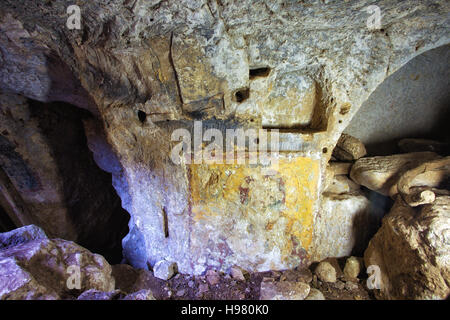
147	68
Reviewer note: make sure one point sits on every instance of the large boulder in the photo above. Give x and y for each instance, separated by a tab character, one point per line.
20	236
50	269
344	225
381	174
412	251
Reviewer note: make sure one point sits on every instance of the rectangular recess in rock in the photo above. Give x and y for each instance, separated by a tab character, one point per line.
297	110
258	72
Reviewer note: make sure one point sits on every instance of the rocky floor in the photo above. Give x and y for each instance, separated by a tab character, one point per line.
32	266
219	286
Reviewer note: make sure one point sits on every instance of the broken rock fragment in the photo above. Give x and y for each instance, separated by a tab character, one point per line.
21	235
304	275
326	272
315	294
340	168
284	290
212	277
237	273
144	294
432	174
381	174
412	251
352	268
349	148
93	294
343	226
164	269
341	184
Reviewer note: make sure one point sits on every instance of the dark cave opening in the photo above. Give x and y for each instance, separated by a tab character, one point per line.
6	224
93	205
413	102
77	199
259	72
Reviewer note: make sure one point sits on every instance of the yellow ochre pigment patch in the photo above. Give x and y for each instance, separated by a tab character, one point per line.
245	192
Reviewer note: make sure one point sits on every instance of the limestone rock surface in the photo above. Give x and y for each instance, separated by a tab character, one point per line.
48	177
20	236
349	148
412	251
48	269
326	272
344	225
164	269
284	290
381	174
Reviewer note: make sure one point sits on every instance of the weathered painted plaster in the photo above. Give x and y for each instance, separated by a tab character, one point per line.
247	210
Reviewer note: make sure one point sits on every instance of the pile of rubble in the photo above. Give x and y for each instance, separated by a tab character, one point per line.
411	250
35	267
